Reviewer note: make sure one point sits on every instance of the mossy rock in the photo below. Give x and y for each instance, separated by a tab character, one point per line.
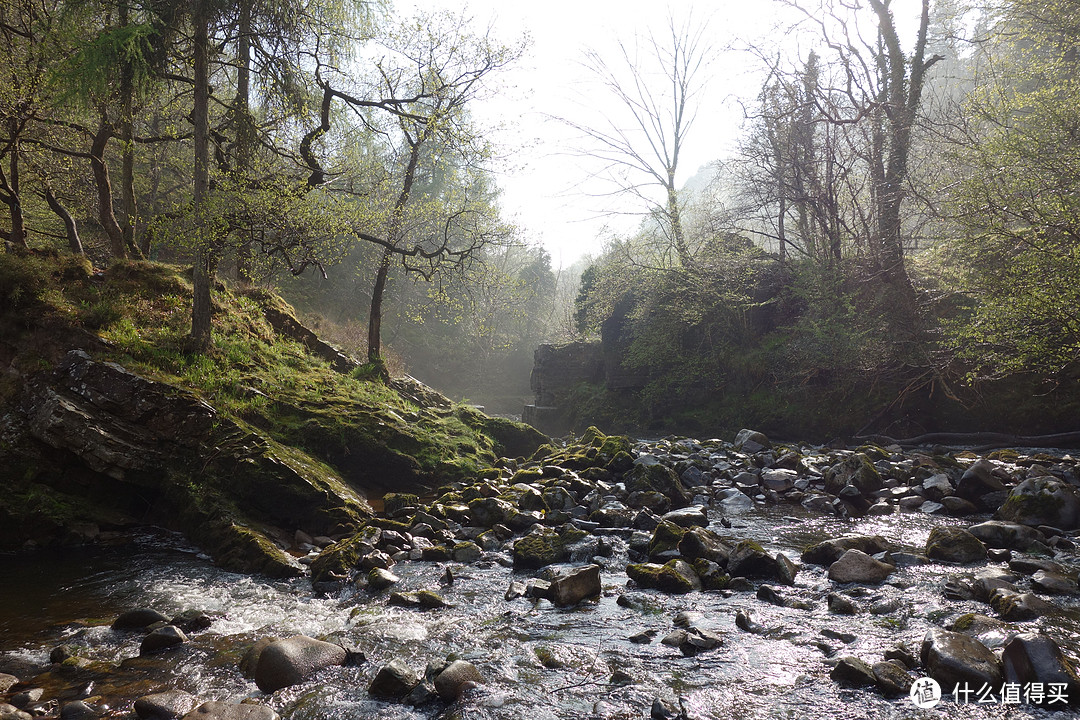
392	502
544	548
513	439
855	470
527	475
675	577
242	549
661	479
953	544
338	559
665	539
711	575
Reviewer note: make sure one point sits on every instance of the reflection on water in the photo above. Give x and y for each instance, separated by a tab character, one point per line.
538	661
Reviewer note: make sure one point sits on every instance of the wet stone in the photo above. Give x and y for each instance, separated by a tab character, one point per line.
7	682
381	578
138	619
956	545
855	566
841	605
26	698
10	712
167	705
852	671
162	639
953	658
1006	535
77	710
1053	583
231	711
892	679
1032	658
1017	607
575	586
456	678
393	680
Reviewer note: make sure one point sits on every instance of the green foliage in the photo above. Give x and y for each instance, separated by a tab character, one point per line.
92	71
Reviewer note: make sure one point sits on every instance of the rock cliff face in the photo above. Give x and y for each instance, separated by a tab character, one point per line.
139	450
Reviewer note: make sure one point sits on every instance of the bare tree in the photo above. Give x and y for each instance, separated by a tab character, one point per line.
655	84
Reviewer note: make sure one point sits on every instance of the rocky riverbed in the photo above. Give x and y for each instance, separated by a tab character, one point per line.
607	579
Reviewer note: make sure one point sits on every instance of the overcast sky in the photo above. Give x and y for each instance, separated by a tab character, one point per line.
546	187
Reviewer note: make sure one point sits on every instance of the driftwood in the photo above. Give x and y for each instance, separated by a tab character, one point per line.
979	440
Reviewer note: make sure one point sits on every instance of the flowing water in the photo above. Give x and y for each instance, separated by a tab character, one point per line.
538	661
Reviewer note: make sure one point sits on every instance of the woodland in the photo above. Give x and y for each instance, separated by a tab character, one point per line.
899	219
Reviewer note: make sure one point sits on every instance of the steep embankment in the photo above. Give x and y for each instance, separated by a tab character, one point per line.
107	419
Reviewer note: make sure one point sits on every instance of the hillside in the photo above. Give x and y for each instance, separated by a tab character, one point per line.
107	420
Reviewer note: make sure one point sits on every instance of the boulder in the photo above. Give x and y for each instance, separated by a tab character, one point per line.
1006	535
231	711
545	547
980	479
953	544
676	576
855	566
138	619
7	682
77	710
702	543
167	705
161	639
381	578
952	658
1031	658
852	671
1053	583
748	559
575	586
827	552
751	441
892	679
1043	501
937	486
394	680
1017	607
688	517
778	479
660	479
856	470
456	678
287	662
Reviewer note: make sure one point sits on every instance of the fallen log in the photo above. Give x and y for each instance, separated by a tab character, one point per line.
979	440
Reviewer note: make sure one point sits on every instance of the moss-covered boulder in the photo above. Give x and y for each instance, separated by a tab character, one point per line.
658	478
665	540
1043	501
545	547
675	576
953	544
857	470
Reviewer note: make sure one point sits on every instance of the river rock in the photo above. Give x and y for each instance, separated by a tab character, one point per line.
1053	583
1006	535
26	698
287	662
77	710
167	705
703	543
981	478
855	566
778	479
1029	565
1016	607
231	711
393	680
850	670
688	517
952	658
1031	658
856	470
660	479
749	560
665	541
751	441
827	552
675	576
575	586
138	619
987	581
7	682
892	679
10	712
456	678
380	578
1043	501
466	552
956	545
162	639
841	604
937	486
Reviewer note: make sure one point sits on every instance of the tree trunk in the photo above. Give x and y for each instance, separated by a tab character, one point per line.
104	190
374	349
74	242
201	310
17	236
129	209
245	124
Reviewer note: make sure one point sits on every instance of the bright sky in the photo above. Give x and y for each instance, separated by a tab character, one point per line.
544	186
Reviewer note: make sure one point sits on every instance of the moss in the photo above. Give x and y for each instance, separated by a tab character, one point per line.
393	502
964	622
528	475
544	548
338	559
665	539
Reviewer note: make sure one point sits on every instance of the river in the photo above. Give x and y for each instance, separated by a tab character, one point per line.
539	662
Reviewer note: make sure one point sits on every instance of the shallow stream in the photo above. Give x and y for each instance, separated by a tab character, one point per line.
538	661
